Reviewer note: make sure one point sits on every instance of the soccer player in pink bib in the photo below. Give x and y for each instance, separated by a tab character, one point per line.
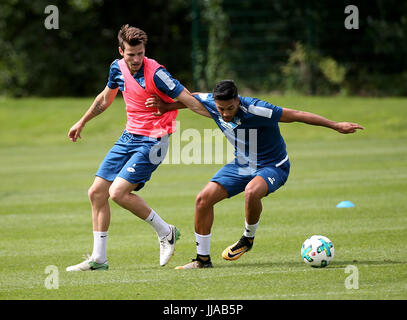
139	150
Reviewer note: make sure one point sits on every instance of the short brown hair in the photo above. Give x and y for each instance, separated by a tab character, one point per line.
132	35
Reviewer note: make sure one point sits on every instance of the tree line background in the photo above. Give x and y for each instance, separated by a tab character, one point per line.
286	46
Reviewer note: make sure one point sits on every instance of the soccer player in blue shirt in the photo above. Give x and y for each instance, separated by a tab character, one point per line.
261	163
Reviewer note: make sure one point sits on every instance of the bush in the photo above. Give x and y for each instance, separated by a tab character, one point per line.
308	72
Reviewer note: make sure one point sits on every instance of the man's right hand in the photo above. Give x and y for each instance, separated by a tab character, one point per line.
75	132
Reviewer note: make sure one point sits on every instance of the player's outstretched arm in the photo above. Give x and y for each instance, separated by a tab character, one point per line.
156	102
185	100
290	115
100	104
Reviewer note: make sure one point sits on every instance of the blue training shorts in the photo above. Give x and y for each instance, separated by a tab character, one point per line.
234	178
133	158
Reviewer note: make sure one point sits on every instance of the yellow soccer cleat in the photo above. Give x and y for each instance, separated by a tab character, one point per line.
236	250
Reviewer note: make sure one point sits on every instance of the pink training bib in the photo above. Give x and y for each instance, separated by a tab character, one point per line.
140	119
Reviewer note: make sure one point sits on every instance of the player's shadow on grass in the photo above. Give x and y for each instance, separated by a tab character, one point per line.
333	265
343	264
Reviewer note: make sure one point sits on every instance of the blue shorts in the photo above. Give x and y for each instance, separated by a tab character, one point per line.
133	158
234	178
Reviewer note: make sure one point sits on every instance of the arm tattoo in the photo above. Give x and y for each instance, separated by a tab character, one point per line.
97	109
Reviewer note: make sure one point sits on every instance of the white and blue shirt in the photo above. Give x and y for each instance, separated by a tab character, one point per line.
254	131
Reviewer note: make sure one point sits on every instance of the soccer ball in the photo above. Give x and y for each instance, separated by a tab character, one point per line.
317	251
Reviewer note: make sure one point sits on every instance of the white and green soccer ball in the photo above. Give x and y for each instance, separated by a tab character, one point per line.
317	251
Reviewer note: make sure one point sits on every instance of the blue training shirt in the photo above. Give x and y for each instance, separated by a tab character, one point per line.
254	131
162	79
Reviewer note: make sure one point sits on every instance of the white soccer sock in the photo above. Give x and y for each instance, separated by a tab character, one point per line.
250	229
99	246
203	244
159	225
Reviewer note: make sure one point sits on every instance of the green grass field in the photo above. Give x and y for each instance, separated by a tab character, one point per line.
45	214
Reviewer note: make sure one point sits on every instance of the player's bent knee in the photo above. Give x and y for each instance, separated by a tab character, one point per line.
91	193
199	200
115	194
252	193
96	194
99	191
202	200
